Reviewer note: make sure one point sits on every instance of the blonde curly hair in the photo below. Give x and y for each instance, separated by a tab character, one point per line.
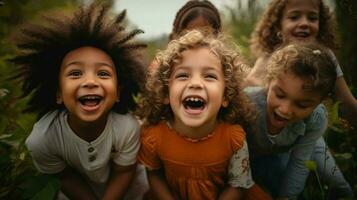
310	61
265	39
152	103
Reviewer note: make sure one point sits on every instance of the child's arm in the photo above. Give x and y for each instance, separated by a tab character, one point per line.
158	185
74	186
345	96
257	73
296	173
231	193
120	179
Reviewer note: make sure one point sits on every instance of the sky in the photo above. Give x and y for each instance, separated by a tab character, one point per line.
156	17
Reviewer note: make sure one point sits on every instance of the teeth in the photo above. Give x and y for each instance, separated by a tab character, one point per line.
195	99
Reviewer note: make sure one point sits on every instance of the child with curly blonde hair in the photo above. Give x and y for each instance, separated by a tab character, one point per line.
191	111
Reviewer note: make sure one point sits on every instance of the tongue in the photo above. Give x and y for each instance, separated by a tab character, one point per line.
90	102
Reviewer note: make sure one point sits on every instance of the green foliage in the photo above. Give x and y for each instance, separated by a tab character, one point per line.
20	180
241	22
17	173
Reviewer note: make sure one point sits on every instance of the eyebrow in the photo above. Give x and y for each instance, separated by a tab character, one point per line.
97	64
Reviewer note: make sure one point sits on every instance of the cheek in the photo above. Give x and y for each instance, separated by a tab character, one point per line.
302	114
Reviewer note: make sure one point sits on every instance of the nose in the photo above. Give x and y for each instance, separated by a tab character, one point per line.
90	82
195	82
286	108
304	22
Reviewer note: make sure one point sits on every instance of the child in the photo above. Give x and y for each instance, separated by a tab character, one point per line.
290	117
196	14
83	71
190	108
294	20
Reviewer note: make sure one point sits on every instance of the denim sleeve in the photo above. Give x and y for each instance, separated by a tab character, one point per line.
296	173
339	72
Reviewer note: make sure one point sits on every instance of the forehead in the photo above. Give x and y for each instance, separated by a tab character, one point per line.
302	5
87	54
298	87
198	22
198	58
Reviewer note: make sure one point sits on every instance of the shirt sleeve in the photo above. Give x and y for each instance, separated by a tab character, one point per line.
239	173
41	145
237	137
339	72
148	154
128	152
296	173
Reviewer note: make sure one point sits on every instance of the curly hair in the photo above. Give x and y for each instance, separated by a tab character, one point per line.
152	104
42	48
265	39
192	10
310	61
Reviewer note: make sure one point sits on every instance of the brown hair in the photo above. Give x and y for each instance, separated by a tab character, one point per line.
265	39
153	109
192	10
309	61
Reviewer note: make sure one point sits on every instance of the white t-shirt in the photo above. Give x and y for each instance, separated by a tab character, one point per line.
53	146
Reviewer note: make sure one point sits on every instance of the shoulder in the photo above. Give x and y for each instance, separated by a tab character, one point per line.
123	123
46	137
154	130
256	94
41	130
236	134
318	118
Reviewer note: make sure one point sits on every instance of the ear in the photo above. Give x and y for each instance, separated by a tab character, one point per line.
225	104
59	99
166	101
118	97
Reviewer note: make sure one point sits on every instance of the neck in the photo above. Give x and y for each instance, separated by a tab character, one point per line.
88	131
195	132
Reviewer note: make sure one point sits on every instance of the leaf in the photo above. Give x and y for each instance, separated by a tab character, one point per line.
40	187
49	191
310	165
346	156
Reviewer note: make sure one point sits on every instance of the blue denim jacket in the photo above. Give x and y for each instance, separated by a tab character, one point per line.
299	138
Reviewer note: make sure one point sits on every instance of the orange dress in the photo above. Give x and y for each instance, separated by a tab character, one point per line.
193	169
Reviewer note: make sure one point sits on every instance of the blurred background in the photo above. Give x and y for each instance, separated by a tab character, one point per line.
19	179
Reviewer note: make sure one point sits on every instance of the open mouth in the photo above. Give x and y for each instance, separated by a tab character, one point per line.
90	100
302	34
280	118
194	103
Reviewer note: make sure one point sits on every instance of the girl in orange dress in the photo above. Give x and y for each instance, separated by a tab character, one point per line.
192	109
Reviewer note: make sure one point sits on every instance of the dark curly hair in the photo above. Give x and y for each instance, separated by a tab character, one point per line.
239	110
192	10
42	48
264	39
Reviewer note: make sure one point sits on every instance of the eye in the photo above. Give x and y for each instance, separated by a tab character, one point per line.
293	17
104	74
181	76
303	106
74	73
211	77
313	18
279	95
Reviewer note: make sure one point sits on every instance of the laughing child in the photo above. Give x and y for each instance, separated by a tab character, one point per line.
82	72
191	109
